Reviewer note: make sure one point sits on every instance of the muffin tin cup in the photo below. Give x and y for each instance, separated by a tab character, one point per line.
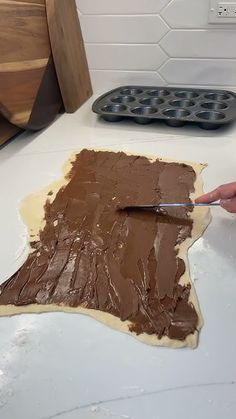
158	93
175	117
126	99
151	101
183	103
112	112
214	105
209	109
209	116
144	113
187	94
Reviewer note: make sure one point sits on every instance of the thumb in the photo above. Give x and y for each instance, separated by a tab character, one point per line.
229	204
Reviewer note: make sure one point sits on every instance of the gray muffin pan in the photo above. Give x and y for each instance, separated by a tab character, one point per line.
210	109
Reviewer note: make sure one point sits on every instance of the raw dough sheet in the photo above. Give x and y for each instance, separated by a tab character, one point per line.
32	212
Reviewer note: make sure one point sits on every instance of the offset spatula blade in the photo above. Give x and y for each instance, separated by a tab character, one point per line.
161	206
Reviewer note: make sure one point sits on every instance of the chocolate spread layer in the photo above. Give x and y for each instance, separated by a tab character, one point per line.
125	263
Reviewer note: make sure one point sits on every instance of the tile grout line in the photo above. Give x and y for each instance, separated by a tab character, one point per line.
200	58
127	71
161	77
154	70
166	6
122	43
122	14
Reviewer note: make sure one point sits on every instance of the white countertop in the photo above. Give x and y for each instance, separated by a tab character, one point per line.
72	367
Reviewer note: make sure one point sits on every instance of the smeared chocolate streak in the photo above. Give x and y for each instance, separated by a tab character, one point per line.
123	263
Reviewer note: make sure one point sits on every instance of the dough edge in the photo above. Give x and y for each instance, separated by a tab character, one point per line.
32	213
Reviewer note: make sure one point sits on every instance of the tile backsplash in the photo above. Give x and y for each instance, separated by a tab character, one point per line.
156	42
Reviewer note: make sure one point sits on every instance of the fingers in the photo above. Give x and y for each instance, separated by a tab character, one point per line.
229	204
227	191
223	192
209	197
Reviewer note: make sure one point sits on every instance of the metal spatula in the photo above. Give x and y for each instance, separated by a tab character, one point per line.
159	207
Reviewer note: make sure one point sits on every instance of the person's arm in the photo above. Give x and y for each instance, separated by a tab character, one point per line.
226	194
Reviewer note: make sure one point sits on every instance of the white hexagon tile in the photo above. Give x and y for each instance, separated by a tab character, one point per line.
125	57
157	42
140	29
109	79
111	7
203	72
186	13
200	43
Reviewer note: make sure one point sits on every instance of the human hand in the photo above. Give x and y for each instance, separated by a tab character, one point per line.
226	194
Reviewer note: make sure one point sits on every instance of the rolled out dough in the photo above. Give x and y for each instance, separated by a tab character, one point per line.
32	212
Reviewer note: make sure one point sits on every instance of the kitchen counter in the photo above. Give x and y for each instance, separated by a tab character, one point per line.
72	367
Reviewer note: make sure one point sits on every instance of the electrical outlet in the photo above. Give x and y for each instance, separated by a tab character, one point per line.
222	12
226	10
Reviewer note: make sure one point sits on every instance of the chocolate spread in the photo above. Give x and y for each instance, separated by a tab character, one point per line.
122	262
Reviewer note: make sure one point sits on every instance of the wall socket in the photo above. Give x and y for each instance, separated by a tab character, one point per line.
222	12
226	10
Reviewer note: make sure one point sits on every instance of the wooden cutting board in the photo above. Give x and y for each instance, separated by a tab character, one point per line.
7	130
29	92
68	53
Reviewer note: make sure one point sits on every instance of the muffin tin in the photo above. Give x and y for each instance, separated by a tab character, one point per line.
210	109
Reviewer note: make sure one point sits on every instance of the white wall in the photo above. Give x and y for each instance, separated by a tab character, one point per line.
156	42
